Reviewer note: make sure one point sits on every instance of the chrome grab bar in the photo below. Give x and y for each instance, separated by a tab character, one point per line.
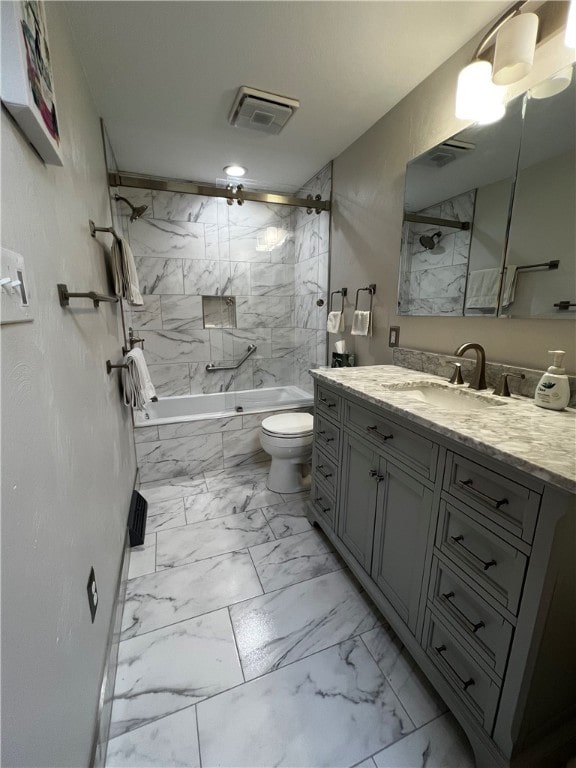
251	349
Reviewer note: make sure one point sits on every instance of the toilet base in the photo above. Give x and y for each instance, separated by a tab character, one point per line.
286	477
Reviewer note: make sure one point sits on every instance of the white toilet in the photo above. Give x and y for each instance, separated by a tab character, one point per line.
287	438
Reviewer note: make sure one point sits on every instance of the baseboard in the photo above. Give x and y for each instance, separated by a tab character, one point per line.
102	727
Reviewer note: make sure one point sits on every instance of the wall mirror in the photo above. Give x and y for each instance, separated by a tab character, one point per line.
541	252
456	208
495	193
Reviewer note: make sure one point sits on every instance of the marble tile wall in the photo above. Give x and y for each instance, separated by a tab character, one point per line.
190	448
272	258
433	282
311	281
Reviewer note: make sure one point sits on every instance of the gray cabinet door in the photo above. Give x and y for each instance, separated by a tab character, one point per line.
403	515
358	491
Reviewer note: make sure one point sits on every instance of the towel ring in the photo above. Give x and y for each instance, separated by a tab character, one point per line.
372	290
343	292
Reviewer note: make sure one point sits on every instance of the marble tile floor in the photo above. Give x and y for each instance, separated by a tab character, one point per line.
246	642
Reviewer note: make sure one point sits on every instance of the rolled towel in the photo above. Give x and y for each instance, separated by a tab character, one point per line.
362	323
136	381
125	276
335	322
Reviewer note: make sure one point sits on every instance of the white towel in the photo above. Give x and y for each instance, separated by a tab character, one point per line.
335	322
136	381
482	289
362	323
125	275
510	275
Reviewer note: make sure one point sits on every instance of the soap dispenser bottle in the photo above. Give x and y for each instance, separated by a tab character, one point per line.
553	390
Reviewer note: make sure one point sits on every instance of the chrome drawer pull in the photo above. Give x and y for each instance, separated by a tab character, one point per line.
324	509
465	683
381	436
327	402
475	627
485	564
374	473
496	503
324	474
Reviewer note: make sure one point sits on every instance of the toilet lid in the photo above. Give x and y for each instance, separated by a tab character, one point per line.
289	424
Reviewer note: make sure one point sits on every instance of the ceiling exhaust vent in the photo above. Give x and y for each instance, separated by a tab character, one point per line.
261	111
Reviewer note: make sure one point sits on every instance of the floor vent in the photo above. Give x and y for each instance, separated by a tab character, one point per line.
137	519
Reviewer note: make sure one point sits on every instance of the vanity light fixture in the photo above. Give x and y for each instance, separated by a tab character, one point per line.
234	170
553	85
570	39
480	93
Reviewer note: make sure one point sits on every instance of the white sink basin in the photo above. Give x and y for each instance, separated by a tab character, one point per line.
457	399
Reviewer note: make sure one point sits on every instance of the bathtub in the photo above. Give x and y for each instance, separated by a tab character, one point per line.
183	408
190	434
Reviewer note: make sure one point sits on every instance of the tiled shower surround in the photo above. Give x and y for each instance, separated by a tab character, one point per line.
187	246
433	282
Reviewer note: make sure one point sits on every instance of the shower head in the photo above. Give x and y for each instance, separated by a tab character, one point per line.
429	241
137	210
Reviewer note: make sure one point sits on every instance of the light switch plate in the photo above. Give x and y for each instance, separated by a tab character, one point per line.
14	300
394	336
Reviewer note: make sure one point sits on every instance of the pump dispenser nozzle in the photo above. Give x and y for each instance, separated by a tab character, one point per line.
557	367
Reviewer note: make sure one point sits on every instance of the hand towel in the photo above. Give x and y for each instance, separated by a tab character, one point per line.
125	275
510	275
482	289
335	322
362	323
136	382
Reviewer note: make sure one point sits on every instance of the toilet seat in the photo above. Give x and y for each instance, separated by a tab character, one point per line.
288	425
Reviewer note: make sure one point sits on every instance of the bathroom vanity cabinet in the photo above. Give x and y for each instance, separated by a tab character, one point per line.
471	562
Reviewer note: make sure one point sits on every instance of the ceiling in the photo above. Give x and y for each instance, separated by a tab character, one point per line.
164	75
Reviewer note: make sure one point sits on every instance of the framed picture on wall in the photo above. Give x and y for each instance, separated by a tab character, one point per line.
27	83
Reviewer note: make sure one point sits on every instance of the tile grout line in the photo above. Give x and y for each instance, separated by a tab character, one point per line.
198	735
389	683
257	576
405	736
236	647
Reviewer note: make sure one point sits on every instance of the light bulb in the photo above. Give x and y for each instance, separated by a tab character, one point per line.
234	170
477	98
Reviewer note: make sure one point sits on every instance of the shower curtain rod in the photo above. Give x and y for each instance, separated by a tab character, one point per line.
231	193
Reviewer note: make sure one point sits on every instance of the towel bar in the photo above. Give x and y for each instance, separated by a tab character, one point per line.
109	366
553	264
94	229
343	292
64	295
371	289
132	341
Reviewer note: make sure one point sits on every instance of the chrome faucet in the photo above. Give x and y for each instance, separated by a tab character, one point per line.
479	374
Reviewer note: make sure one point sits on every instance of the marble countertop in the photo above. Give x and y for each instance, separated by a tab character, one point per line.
516	431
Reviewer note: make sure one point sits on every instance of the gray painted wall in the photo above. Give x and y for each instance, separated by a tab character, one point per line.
67	449
368	193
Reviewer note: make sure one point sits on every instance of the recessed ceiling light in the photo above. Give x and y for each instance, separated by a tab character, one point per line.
234	170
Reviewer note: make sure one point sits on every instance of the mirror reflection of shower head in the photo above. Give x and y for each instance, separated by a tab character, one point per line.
429	241
137	211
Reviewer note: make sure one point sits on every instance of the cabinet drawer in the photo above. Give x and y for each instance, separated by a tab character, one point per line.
503	501
328	403
493	564
325	469
485	630
323	502
466	678
327	436
400	443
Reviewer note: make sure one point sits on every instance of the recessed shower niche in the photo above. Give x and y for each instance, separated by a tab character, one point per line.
219	311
